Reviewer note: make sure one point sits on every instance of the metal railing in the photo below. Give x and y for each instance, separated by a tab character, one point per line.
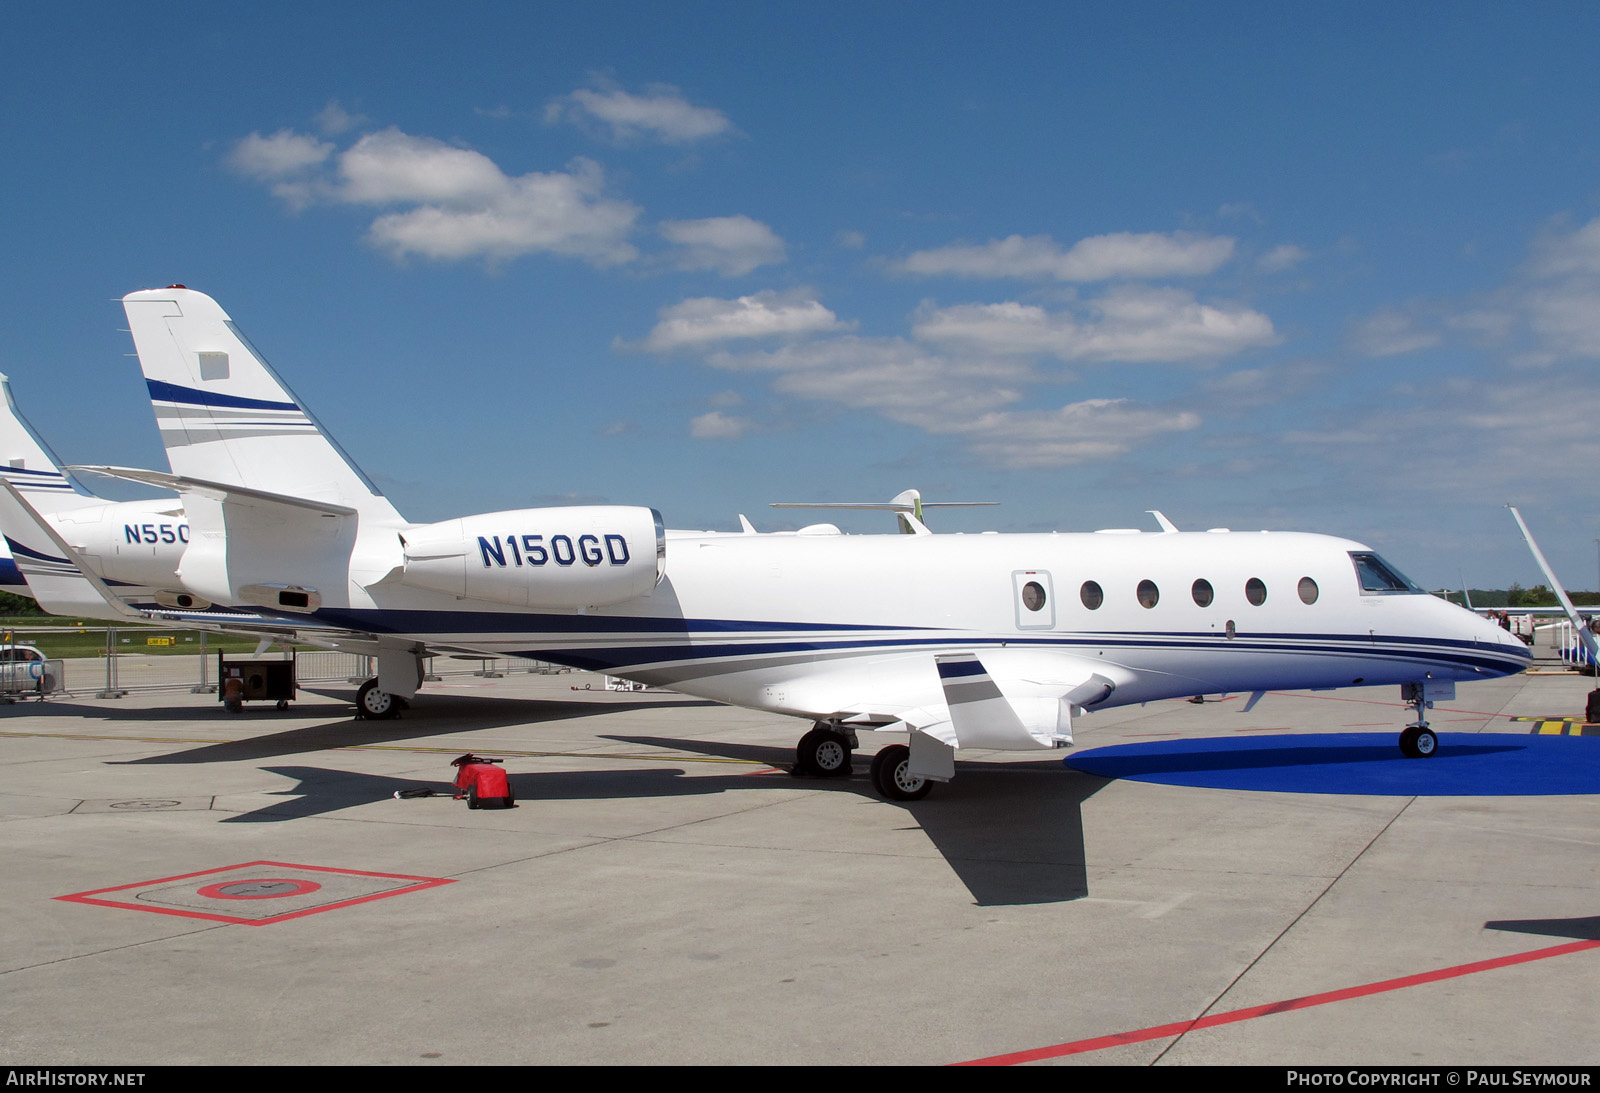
131	660
1568	646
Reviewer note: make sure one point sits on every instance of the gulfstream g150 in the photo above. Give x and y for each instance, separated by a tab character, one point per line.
993	642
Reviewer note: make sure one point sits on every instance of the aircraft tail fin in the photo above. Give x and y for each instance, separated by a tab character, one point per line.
226	416
27	462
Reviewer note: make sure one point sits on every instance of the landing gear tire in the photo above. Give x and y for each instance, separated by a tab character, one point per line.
375	705
1418	742
823	754
892	777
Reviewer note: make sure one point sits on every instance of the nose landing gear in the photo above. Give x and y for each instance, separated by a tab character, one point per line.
1418	741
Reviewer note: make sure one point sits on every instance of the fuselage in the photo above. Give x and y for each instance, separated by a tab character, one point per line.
828	625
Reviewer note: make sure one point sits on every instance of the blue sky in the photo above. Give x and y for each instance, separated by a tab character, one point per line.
1301	267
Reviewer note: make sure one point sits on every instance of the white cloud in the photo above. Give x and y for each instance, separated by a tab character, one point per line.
1561	254
1389	332
707	320
392	166
1283	257
719	426
282	155
557	212
1548	312
1079	432
661	113
970	399
455	203
334	119
1119	255
1128	323
729	245
970	371
890	376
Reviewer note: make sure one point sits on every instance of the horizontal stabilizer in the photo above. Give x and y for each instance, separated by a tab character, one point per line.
55	573
255	546
220	491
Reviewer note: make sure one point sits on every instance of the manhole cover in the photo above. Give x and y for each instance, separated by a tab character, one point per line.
259	889
135	806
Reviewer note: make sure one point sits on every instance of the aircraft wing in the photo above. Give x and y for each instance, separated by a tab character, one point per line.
1591	645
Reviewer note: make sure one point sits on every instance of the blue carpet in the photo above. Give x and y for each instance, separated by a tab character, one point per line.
1467	764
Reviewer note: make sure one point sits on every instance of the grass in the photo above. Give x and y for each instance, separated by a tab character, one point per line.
69	638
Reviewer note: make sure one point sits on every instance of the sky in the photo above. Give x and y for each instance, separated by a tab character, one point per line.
1329	268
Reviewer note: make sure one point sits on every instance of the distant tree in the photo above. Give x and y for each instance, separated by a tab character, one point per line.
17	605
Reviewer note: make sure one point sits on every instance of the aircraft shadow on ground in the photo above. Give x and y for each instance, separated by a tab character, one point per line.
1578	929
440	714
1012	837
1202	757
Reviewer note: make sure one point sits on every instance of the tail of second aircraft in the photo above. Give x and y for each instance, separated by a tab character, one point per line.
225	416
27	462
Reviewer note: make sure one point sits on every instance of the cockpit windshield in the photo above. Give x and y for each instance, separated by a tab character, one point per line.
1377	575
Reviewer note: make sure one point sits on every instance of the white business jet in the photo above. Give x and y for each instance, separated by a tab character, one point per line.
988	642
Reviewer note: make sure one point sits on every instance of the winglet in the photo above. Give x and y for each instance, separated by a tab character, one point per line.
1590	644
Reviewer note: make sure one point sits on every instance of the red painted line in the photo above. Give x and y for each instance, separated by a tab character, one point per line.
1179	1028
420	884
301	887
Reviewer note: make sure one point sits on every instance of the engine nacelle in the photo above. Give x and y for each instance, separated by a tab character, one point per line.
559	559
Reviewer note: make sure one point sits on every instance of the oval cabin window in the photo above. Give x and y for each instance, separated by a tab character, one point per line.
1255	591
1091	595
1033	595
1308	590
1149	594
1203	595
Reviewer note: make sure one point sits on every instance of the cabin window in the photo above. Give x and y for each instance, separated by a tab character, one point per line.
1255	591
1308	590
1202	592
1377	575
1092	595
1033	595
1149	594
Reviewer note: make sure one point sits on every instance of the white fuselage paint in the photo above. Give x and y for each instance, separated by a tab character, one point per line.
847	626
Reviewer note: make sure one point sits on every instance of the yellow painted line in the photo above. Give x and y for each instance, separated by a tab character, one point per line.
454	750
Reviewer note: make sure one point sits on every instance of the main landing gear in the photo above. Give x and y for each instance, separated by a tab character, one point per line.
892	777
375	705
824	752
